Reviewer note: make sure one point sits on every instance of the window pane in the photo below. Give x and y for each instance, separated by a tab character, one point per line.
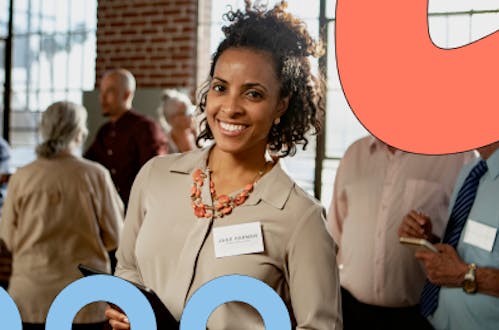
343	128
4	16
328	175
54	59
88	63
484	24
460	5
454	28
306	10
331	8
20	21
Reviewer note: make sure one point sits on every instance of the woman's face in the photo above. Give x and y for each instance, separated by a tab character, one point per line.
243	100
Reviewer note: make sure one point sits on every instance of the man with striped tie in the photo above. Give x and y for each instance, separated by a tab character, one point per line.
462	291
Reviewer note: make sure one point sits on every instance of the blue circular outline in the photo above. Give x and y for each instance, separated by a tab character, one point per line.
100	288
11	319
235	288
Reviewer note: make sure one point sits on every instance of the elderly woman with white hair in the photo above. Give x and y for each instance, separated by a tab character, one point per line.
60	210
175	116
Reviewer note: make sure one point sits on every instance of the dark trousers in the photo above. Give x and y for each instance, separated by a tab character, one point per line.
90	326
357	315
112	259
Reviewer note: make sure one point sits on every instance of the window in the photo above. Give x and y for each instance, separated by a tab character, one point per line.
53	59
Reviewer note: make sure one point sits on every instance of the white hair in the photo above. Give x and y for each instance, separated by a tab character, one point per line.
170	99
62	123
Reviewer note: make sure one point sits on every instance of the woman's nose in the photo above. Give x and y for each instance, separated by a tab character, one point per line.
231	106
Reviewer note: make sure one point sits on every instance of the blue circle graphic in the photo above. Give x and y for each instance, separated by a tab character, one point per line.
96	288
235	288
10	314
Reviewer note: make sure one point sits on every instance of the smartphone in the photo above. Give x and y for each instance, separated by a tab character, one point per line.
164	319
418	242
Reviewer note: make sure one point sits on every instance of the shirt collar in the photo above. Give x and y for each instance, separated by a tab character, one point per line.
273	188
376	145
493	164
189	161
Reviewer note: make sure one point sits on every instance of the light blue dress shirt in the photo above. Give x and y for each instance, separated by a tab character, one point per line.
457	309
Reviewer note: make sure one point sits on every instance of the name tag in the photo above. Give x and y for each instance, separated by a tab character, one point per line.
480	235
238	239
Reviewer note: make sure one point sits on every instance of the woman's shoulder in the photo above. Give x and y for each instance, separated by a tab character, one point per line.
297	201
179	162
304	204
86	165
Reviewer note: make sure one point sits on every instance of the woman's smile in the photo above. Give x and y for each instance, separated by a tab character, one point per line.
231	129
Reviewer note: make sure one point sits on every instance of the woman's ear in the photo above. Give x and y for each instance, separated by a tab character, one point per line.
282	106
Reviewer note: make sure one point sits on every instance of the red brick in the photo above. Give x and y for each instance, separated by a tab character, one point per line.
156	39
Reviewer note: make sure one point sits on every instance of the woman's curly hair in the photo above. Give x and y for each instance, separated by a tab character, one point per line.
287	40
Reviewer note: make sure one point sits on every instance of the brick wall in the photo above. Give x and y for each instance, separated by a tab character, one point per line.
154	39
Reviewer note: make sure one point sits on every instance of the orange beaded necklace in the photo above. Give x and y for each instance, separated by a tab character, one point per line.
223	204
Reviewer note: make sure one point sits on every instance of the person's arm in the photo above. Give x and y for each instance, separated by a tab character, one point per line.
487	280
127	264
111	213
312	274
8	223
152	141
338	209
448	269
127	267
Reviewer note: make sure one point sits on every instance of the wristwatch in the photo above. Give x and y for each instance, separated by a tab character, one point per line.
469	283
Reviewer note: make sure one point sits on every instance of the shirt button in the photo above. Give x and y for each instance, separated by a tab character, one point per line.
109	152
113	171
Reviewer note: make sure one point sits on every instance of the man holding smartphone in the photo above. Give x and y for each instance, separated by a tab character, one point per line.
376	185
463	287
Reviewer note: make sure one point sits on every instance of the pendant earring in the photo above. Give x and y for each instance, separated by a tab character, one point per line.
277	121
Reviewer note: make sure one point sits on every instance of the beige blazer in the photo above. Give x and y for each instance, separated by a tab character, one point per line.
166	247
58	213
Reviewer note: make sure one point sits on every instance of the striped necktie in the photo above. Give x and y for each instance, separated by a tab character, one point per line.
459	215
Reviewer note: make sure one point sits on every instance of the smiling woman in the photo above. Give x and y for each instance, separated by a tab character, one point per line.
188	212
244	101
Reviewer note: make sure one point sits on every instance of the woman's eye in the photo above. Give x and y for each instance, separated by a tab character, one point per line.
255	94
218	88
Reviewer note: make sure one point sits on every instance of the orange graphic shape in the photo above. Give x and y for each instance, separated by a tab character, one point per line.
407	91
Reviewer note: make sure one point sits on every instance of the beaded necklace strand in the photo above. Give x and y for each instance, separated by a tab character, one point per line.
223	204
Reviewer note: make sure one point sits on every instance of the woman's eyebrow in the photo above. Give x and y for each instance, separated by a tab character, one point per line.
254	84
220	79
245	85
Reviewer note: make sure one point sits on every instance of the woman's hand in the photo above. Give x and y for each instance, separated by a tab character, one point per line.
117	319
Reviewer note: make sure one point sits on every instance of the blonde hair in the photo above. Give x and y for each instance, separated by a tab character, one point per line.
62	123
